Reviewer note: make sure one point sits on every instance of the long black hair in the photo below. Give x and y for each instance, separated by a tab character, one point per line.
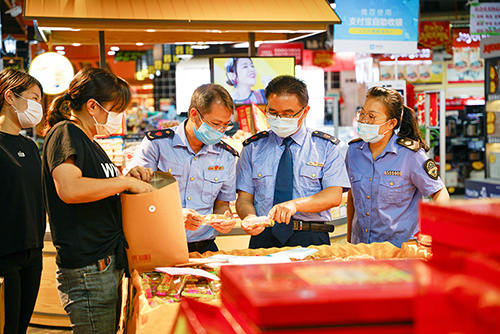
404	115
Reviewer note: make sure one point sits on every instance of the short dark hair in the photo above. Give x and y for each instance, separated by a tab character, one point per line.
287	84
17	81
205	95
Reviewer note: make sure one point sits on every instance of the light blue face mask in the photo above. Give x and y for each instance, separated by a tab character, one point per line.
207	135
369	132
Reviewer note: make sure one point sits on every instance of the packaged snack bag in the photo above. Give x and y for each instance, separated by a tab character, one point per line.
257	221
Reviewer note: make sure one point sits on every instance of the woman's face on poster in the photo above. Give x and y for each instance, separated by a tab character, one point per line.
246	72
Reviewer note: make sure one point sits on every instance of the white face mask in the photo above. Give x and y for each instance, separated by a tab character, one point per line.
112	123
31	116
283	127
369	132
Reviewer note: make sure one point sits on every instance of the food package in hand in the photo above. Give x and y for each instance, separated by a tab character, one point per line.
263	221
214	218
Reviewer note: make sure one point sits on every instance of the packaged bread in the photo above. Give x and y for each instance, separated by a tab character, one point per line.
263	221
214	218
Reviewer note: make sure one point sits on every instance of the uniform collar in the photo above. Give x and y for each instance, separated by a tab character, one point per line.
180	140
391	146
298	137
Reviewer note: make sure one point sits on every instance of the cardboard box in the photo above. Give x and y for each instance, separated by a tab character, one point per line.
322	293
471	225
153	226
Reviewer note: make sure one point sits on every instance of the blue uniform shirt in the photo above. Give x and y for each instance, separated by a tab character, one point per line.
317	164
203	177
386	191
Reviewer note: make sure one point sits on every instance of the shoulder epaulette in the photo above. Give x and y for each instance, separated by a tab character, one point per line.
157	134
326	136
409	143
355	140
255	137
228	148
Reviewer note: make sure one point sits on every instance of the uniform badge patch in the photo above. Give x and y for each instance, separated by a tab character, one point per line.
216	168
315	164
431	169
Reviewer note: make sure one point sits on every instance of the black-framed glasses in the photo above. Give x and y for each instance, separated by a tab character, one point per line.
286	116
220	128
365	118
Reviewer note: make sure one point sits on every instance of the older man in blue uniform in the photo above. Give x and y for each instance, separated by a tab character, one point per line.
290	173
203	165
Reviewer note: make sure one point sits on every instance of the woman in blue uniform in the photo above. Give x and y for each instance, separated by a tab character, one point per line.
389	172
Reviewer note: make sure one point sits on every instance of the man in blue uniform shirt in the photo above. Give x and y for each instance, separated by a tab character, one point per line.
203	165
290	173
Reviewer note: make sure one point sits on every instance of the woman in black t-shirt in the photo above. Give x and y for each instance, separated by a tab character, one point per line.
81	187
22	218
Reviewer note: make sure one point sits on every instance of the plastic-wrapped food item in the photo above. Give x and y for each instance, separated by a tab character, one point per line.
264	221
199	288
214	218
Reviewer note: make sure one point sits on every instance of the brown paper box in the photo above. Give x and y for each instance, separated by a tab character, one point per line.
153	226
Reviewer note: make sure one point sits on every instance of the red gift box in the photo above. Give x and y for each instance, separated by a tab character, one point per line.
451	302
249	327
322	293
472	225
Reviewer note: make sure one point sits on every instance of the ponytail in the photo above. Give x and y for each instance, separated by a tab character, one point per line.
58	111
409	127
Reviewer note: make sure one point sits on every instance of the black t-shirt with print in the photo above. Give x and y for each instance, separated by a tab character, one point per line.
86	232
22	217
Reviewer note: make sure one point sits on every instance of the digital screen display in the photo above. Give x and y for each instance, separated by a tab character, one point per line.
245	78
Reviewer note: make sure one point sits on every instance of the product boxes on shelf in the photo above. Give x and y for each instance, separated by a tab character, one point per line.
471	225
153	226
321	293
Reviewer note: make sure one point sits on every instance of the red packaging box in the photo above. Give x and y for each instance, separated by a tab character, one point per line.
249	327
323	293
472	225
196	317
451	302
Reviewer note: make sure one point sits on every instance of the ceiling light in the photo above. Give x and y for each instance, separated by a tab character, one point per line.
151	30
111	53
76	44
114	48
62	53
139	43
59	48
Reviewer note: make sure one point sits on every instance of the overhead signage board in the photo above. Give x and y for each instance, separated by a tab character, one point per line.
485	18
382	26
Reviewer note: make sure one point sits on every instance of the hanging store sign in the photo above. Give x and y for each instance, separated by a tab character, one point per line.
433	34
490	47
384	26
463	39
282	50
485	18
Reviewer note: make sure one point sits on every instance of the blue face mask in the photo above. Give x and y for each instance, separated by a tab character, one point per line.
207	135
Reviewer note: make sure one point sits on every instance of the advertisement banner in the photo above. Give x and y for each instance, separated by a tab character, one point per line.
490	47
485	18
329	61
282	50
384	26
434	33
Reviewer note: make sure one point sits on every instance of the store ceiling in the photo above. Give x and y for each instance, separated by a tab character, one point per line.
127	22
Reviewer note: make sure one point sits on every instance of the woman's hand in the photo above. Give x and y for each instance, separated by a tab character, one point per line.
137	186
141	173
192	219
